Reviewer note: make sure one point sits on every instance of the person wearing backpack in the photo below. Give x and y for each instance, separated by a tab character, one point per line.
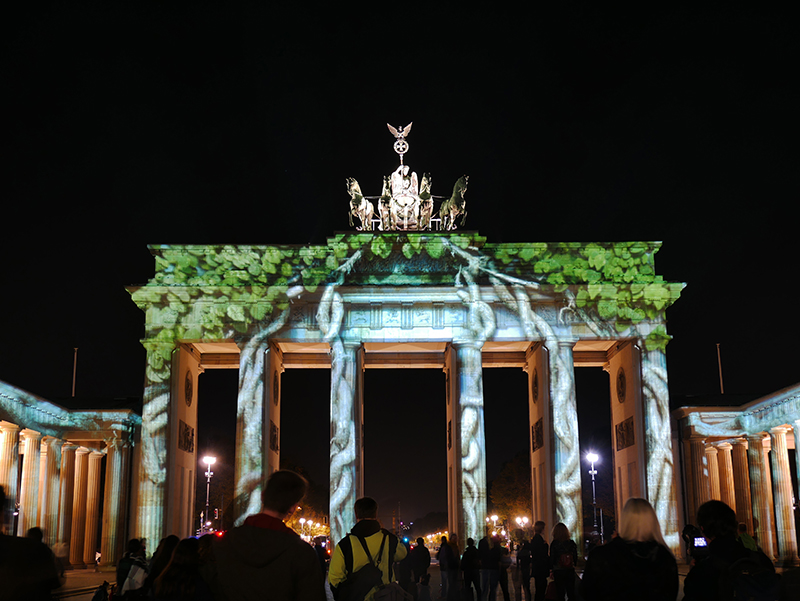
563	557
361	563
729	571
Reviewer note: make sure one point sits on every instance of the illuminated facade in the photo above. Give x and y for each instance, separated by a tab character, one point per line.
52	462
740	455
379	299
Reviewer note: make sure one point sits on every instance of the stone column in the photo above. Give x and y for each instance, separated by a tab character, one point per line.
29	488
114	503
726	486
65	500
699	477
567	464
661	486
49	488
782	481
466	441
150	513
251	461
9	466
760	494
713	472
92	508
79	508
741	480
346	446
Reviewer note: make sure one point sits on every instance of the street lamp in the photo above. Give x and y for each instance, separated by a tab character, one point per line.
592	458
209	461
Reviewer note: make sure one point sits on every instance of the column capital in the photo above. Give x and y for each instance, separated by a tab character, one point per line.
740	442
778	430
8	426
29	434
725	446
711	449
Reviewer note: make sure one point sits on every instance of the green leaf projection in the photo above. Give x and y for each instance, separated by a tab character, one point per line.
552	292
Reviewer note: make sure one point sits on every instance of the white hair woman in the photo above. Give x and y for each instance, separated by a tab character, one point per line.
637	565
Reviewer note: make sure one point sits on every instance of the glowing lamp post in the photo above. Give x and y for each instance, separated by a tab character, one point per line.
209	461
592	458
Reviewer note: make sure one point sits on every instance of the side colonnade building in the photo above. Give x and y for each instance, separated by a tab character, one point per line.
740	455
59	467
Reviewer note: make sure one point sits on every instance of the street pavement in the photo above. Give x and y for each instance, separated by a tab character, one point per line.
80	585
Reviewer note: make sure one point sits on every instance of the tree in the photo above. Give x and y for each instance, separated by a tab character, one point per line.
510	492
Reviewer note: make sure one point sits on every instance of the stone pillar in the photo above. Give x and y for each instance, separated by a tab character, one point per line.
29	487
49	489
466	441
796	432
726	486
760	494
346	447
741	480
661	486
92	508
782	481
9	467
150	513
251	464
112	536
699	477
567	460
79	508
65	500
713	472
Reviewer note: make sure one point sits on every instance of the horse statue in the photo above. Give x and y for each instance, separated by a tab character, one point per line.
359	206
426	202
385	204
455	205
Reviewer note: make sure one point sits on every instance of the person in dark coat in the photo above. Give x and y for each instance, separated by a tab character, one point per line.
706	580
264	556
540	561
524	566
180	580
637	565
27	567
421	560
563	557
470	566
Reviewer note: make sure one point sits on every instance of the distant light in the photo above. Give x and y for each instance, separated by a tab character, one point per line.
592	457
209	461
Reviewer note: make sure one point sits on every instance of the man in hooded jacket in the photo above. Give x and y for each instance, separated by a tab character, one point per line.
264	558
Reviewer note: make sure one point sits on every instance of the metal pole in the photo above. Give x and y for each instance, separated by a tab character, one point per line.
74	369
594	501
208	491
719	363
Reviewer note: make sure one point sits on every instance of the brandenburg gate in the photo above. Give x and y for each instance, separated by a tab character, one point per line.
408	288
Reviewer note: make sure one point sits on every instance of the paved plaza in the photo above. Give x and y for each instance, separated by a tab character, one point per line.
81	584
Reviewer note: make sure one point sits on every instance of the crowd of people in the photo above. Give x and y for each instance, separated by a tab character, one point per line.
265	559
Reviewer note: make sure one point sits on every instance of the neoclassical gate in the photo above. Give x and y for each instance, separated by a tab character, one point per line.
450	301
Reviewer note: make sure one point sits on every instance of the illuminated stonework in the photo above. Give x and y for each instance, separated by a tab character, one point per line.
342	303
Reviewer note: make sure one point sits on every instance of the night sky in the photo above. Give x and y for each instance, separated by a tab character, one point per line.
134	123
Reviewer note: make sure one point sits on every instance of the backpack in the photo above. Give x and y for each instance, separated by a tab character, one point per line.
752	578
359	584
565	561
392	592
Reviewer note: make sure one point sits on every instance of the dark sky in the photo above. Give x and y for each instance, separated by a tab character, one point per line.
134	123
